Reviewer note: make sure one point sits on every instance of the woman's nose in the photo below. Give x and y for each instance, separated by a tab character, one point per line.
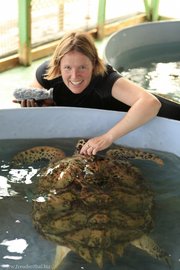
74	73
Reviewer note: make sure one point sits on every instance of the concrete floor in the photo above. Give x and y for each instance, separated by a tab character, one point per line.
21	77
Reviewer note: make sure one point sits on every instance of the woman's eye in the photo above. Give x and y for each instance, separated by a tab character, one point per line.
82	67
67	67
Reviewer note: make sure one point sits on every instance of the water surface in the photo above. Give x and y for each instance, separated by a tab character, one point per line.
22	247
154	67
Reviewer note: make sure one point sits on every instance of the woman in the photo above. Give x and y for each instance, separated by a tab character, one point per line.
79	78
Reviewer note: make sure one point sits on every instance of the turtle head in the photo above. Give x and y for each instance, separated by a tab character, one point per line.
79	145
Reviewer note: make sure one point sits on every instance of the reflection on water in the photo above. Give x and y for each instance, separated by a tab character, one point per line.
21	246
159	78
15	246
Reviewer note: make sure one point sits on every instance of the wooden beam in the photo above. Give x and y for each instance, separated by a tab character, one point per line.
101	19
24	14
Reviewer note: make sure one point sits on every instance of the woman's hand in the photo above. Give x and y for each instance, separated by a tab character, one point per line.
26	103
96	144
34	103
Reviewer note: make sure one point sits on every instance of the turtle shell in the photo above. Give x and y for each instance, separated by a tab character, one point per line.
93	205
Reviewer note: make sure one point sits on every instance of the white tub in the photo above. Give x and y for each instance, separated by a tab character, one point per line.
136	45
23	123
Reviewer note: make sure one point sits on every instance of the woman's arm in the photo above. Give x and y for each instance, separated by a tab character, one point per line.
144	107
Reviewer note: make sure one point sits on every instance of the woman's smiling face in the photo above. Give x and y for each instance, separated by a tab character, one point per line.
76	71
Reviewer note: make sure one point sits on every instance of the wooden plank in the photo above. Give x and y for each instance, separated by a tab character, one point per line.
9	62
111	28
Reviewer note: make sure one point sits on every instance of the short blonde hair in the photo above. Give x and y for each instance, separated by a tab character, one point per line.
75	41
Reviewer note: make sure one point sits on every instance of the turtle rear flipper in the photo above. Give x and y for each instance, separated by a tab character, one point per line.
61	252
151	247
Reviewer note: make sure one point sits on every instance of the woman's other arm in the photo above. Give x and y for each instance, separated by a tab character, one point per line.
143	107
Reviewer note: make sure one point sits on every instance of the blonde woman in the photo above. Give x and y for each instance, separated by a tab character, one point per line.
79	78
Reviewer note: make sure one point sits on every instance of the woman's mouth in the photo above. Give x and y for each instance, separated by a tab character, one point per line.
76	83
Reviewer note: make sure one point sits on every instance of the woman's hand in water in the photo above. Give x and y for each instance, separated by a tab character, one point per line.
96	144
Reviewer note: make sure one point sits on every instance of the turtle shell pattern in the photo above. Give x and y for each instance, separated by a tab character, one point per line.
94	205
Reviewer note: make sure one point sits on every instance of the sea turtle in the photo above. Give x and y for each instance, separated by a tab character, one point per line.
94	205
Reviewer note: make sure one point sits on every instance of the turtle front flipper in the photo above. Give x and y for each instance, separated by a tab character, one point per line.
151	247
121	152
38	153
